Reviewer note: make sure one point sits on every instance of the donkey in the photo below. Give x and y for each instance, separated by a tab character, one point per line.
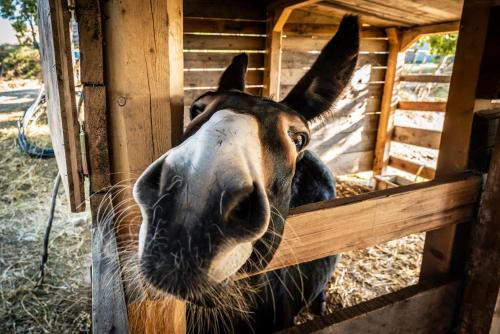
215	206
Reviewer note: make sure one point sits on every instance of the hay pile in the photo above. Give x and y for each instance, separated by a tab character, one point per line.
62	303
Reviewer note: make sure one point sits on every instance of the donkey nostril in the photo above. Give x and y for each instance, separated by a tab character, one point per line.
246	210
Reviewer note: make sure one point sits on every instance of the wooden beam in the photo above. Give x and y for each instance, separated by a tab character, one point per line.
272	63
422	308
411	35
388	104
362	221
483	273
55	50
426	78
144	88
486	108
283	8
417	137
412	167
440	248
422	106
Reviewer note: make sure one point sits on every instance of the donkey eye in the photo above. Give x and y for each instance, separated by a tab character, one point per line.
299	140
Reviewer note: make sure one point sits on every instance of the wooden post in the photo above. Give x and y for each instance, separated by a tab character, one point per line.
273	58
144	90
389	103
483	279
455	139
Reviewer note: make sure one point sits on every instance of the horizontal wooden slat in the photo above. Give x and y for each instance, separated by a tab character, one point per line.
374	89
426	78
423	308
412	167
317	230
299	59
422	106
328	30
299	43
219	60
223	26
417	137
249	11
211	78
191	95
214	42
290	76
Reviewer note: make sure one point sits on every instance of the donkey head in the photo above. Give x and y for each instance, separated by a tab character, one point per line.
216	204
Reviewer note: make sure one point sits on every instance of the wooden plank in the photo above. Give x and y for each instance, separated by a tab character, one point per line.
422	106
225	9
216	42
290	76
301	43
417	137
209	25
282	10
207	60
487	108
192	94
144	88
482	283
440	248
328	30
211	78
411	35
272	73
412	167
418	309
55	50
342	225
298	59
88	14
109	311
389	101
426	78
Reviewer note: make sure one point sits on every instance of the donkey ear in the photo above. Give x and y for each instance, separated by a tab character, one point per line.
315	93
234	76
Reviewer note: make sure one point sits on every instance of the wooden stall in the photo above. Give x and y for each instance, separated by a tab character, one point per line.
143	63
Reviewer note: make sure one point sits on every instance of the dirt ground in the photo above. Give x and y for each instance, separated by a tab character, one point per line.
62	303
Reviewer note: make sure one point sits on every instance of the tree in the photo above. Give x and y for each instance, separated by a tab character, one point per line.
22	16
441	45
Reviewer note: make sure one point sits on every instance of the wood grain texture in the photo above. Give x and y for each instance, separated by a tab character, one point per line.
388	103
422	106
412	167
418	309
55	50
440	248
426	78
272	72
109	311
362	221
417	137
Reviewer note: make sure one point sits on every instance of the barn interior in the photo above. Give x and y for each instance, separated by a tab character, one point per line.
173	51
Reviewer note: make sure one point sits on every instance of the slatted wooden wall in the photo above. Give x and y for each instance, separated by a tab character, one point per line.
215	32
346	140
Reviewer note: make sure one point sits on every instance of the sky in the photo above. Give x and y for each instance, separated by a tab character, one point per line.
7	34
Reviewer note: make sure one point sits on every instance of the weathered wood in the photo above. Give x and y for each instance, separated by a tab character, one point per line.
362	221
426	78
422	106
109	311
191	94
328	30
211	78
297	59
272	73
226	9
208	25
484	131
440	248
282	10
291	76
305	43
482	284
215	42
388	104
411	35
487	108
412	167
418	309
417	137
207	60
55	50
144	87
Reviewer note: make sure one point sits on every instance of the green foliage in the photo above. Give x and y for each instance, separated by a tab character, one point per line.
441	45
22	16
19	62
